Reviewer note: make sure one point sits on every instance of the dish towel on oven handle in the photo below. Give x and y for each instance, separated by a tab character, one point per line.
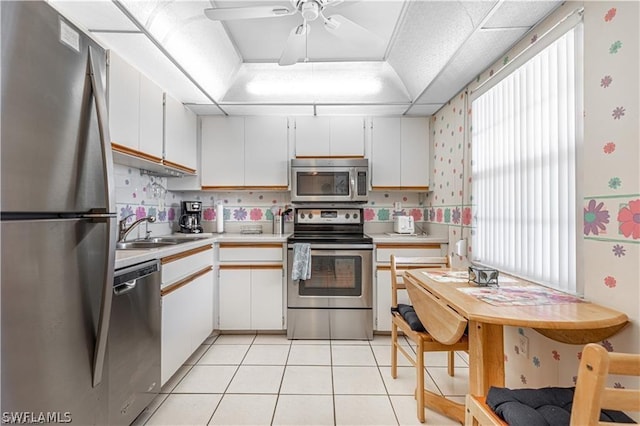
301	262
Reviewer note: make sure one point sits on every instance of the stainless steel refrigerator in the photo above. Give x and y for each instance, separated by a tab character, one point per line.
58	223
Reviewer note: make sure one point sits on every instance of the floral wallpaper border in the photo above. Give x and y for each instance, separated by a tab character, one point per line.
613	218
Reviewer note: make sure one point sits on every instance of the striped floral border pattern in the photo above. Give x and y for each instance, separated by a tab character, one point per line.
613	219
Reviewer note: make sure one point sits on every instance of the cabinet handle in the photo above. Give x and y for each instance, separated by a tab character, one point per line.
184	254
175	286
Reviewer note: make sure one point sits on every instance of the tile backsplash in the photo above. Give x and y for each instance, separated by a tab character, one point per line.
142	195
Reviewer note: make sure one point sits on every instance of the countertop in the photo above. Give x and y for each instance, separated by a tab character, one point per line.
407	239
126	258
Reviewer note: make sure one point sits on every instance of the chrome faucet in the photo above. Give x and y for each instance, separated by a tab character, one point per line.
123	230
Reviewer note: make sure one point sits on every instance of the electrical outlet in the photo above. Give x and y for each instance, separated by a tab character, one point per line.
523	345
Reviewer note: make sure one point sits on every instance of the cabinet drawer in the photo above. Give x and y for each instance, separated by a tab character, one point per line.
384	251
185	263
230	252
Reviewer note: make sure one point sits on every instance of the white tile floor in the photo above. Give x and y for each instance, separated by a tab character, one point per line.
260	379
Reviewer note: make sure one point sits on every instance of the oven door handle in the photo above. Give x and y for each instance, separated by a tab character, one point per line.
337	246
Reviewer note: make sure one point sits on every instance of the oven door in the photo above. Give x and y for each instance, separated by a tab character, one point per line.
340	278
329	184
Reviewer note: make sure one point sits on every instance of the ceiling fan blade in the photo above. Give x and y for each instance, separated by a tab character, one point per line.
294	49
333	3
348	30
230	13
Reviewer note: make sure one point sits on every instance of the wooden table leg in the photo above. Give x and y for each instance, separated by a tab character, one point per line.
486	357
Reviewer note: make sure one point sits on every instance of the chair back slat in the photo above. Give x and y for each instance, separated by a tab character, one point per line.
592	395
400	264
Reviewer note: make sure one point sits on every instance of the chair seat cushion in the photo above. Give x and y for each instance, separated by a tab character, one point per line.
541	407
409	314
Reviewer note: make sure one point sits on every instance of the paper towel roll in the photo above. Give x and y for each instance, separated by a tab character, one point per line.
219	218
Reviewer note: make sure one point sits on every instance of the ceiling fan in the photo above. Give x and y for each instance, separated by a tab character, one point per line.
310	10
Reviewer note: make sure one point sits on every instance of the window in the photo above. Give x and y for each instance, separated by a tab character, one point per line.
525	133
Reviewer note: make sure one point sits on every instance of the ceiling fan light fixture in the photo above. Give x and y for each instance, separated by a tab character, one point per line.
310	10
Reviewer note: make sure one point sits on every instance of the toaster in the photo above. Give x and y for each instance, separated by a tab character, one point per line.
403	225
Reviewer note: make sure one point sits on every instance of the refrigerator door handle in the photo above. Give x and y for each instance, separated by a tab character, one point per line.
107	160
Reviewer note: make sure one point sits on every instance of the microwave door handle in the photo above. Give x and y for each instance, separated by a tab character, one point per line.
352	177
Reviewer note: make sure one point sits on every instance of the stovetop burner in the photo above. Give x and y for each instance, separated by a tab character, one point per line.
329	225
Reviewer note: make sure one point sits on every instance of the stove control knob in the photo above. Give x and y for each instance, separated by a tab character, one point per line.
347	216
301	215
310	215
355	215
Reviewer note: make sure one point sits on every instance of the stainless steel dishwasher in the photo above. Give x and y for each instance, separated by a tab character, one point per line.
134	341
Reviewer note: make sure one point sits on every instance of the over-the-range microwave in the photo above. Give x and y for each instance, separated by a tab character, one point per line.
330	180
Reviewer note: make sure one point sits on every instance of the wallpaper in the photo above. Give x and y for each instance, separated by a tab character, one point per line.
610	261
261	206
142	195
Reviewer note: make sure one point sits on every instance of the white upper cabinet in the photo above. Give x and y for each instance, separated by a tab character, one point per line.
400	153
265	152
414	153
244	152
347	136
329	137
151	117
313	136
124	100
385	152
180	149
135	110
222	151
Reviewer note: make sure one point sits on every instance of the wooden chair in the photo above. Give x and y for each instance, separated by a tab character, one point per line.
424	341
591	394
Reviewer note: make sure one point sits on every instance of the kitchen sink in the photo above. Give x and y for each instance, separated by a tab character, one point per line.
151	243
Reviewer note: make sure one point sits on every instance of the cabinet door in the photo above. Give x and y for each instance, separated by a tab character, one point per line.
222	151
124	99
347	136
266	299
201	308
180	134
151	119
265	151
385	152
313	136
414	171
235	299
175	341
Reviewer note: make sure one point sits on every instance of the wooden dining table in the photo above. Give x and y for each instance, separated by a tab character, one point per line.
568	321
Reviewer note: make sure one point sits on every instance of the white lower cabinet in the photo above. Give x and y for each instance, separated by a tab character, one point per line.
251	297
187	306
235	299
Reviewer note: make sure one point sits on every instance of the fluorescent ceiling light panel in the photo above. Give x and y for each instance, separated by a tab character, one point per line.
318	82
314	84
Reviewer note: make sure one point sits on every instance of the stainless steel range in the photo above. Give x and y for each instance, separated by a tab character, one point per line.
337	301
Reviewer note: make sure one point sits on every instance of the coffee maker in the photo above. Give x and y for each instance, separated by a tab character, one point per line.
191	217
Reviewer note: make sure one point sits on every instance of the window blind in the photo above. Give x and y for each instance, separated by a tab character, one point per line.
524	169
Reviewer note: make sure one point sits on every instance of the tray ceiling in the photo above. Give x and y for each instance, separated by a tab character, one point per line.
414	55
